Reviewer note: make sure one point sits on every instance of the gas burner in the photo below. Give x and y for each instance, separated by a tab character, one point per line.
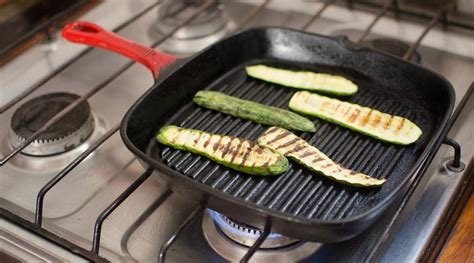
68	133
246	235
392	46
208	27
231	239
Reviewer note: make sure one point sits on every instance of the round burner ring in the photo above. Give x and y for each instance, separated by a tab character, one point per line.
246	235
208	27
234	251
394	47
174	13
66	134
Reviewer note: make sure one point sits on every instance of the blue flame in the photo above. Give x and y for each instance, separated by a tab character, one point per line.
224	225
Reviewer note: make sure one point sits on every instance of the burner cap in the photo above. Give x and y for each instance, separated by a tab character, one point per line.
174	13
216	229
392	46
246	235
208	27
66	134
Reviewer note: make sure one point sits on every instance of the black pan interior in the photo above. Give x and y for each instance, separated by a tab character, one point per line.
385	83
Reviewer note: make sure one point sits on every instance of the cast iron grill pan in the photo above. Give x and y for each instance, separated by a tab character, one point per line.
299	203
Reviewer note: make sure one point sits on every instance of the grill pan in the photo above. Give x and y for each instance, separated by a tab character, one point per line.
299	203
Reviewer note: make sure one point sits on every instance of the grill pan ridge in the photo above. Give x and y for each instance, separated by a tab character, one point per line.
324	199
300	203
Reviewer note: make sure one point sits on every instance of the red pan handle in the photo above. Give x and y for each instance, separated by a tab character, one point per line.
94	35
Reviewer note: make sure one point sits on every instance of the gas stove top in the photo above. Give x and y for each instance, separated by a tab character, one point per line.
76	189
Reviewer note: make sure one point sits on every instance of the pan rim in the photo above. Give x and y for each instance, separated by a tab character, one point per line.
430	148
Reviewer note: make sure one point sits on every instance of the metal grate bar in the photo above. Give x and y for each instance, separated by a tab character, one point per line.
263	236
317	14
51	183
382	12
116	203
43	26
84	97
257	10
30	90
51	237
170	241
432	23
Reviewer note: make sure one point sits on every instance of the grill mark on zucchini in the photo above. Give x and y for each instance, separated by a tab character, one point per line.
400	126
383	126
307	154
280	136
206	143
288	143
298	150
197	139
216	145
246	156
354	115
224	152
236	152
253	111
347	111
387	123
366	118
377	120
295	149
317	159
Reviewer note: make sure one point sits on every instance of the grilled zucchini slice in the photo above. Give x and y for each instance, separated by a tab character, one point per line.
253	111
238	154
321	82
382	126
297	149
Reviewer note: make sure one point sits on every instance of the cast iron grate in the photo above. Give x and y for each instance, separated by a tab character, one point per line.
297	192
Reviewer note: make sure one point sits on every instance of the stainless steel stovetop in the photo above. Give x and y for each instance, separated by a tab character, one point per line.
152	216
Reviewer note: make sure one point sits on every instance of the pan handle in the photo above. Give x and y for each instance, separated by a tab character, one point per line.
93	35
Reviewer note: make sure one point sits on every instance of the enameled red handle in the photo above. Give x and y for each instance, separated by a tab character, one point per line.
93	35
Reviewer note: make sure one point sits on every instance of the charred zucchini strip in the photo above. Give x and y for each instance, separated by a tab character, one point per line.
238	154
253	111
297	149
321	82
382	126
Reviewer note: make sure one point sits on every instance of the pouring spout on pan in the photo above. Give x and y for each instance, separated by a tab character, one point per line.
93	35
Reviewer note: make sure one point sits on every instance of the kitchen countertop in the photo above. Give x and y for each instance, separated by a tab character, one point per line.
460	244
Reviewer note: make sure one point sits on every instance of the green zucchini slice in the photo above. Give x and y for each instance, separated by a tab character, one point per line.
297	149
253	111
321	82
238	154
379	125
